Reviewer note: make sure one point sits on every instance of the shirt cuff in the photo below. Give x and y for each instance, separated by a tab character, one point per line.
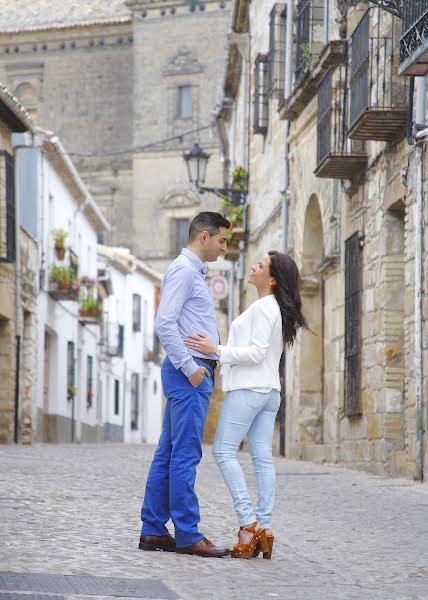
190	368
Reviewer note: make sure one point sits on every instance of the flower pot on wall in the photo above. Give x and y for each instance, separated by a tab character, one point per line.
59	250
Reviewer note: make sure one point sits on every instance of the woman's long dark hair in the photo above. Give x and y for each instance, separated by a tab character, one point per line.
287	293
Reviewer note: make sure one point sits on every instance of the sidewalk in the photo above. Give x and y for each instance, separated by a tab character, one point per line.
74	510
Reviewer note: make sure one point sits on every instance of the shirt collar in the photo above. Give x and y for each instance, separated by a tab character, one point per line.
195	260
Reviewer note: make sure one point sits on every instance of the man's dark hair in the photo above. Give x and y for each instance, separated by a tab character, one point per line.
207	221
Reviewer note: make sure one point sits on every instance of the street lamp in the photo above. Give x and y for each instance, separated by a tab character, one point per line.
197	161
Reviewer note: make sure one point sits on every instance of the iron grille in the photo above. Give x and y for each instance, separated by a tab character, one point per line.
309	36
415	27
373	66
261	96
134	401
278	17
7	208
303	38
325	110
89	381
136	312
352	324
121	340
70	371
332	113
413	10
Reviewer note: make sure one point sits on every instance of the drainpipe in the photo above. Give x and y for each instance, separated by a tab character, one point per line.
285	204
421	138
18	312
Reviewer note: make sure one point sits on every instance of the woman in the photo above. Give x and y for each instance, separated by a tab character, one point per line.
250	374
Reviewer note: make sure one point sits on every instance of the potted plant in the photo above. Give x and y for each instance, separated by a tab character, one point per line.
71	391
60	236
89	305
61	276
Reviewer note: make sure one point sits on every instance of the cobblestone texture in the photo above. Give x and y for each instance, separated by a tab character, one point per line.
340	534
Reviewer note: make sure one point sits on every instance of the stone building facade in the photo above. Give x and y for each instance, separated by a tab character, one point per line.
119	82
18	288
334	182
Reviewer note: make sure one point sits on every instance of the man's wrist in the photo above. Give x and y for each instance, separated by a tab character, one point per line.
190	369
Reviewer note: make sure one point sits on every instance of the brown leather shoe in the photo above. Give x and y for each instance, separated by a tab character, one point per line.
157	542
204	548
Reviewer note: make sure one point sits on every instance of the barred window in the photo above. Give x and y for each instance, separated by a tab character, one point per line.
116	396
136	312
121	340
278	19
134	401
89	381
261	96
7	208
352	325
70	371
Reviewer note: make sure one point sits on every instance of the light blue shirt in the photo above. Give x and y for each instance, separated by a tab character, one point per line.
186	308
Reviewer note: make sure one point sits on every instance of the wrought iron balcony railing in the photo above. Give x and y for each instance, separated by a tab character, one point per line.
378	103
337	156
414	40
309	36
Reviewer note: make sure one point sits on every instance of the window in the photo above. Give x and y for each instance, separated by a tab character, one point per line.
7	207
185	102
179	235
121	340
261	99
116	396
134	401
70	371
89	382
352	325
136	312
277	35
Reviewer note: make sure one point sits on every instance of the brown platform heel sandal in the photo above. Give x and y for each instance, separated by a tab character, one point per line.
268	555
247	550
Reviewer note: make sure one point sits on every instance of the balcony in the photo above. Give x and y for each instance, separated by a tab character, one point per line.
337	156
64	284
309	36
414	39
378	104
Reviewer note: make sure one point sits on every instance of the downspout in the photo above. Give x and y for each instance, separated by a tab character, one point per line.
18	313
245	52
284	206
419	276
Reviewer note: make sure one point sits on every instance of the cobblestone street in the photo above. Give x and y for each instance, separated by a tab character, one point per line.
74	510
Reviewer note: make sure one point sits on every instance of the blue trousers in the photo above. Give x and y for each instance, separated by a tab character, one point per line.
170	487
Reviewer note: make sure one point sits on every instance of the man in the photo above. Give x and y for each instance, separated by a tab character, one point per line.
186	307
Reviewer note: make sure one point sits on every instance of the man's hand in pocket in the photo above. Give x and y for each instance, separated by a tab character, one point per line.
197	378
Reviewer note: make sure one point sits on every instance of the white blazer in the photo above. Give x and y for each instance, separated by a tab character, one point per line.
250	360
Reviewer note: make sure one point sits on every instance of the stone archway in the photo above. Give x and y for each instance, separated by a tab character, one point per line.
311	405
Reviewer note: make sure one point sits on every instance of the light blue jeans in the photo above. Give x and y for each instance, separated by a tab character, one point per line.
252	414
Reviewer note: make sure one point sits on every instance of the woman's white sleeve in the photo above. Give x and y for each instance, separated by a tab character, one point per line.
262	322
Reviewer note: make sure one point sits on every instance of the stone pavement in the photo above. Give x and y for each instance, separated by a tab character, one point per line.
74	511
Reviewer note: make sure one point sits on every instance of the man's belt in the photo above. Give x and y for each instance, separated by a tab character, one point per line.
210	362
